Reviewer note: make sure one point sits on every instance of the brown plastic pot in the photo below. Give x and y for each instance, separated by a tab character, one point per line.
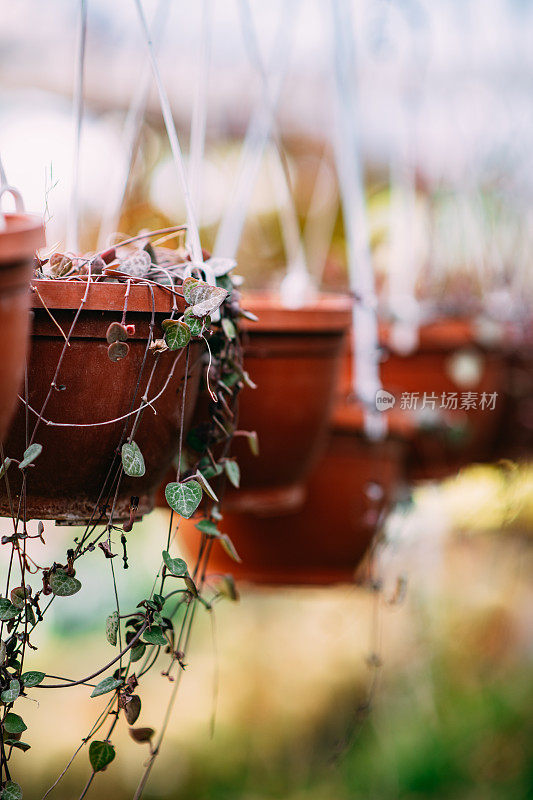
294	357
443	442
66	480
323	542
19	239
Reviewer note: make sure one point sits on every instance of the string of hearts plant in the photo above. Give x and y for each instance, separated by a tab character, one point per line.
159	628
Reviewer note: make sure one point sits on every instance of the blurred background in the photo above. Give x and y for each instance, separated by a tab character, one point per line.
424	688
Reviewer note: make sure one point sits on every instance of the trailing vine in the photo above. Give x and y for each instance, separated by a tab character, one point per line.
158	630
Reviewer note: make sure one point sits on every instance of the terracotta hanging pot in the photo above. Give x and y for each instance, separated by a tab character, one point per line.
448	362
294	357
21	236
66	482
347	494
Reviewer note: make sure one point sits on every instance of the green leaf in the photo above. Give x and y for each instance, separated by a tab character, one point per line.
32	678
3	652
7	610
190	584
63	585
132	460
12	791
184	497
229	547
4	466
24	746
137	652
207	526
108	684
177	335
203	298
206	486
14	724
33	451
11	694
253	443
155	636
100	755
176	566
197	325
229	328
233	472
111	628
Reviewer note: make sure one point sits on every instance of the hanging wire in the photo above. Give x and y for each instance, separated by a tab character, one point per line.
114	197
72	238
199	113
365	369
257	134
173	140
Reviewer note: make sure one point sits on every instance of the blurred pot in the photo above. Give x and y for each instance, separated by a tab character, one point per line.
347	494
448	360
294	356
20	237
66	480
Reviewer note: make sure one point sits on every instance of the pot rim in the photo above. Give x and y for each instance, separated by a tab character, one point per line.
102	296
330	313
441	333
22	236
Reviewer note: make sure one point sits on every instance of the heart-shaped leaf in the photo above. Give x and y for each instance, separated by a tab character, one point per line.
117	351
132	460
4	466
11	694
203	298
184	497
7	610
11	791
229	328
233	472
19	595
133	709
206	486
176	566
137	652
207	526
30	454
137	264
190	584
229	547
111	628
100	755
108	684
14	724
155	636
116	333
141	735
62	584
32	678
177	335
197	325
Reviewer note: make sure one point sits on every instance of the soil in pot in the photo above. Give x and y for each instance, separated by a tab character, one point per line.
22	235
347	495
294	357
68	480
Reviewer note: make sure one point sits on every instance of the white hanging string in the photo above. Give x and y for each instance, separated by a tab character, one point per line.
114	196
365	369
6	188
72	238
257	134
173	140
320	224
199	113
